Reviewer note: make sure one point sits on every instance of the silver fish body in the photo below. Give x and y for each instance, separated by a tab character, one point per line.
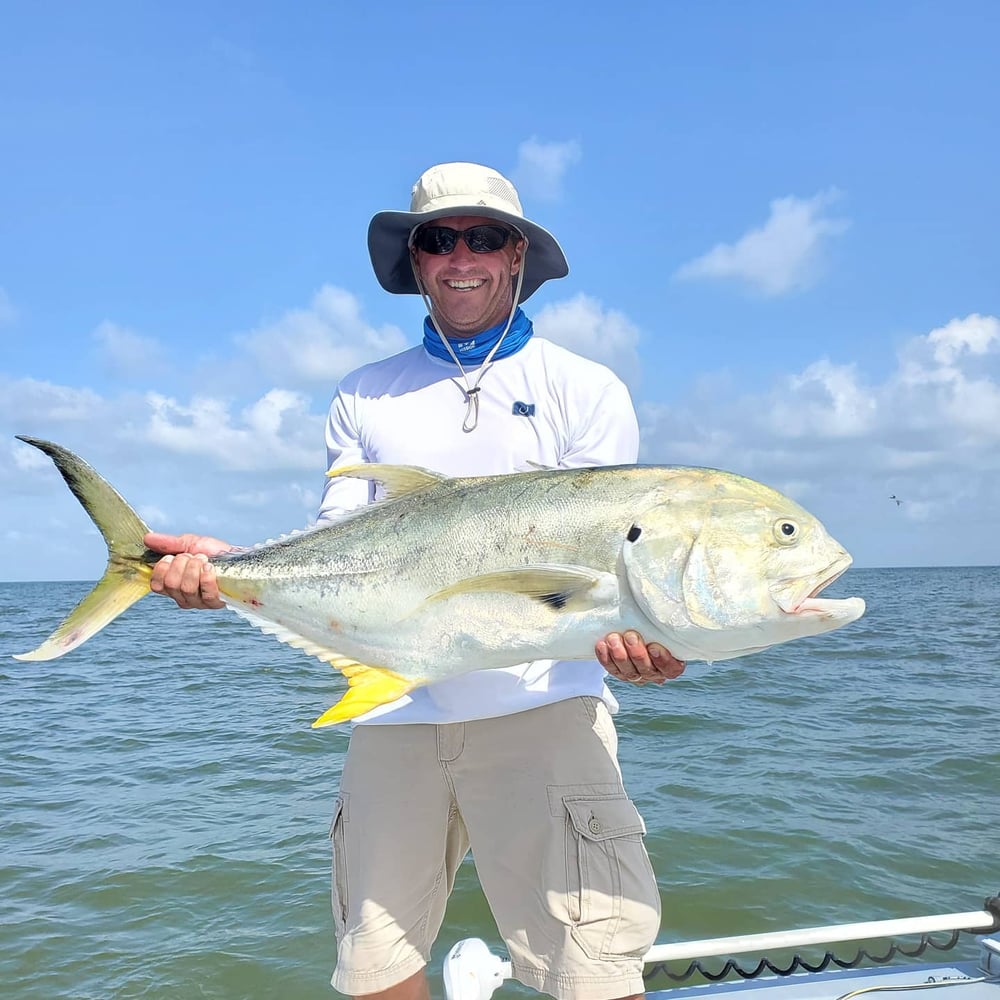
446	576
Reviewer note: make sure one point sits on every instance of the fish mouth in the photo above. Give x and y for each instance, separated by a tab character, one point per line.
795	601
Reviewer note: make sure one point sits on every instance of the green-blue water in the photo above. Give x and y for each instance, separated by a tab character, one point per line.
164	804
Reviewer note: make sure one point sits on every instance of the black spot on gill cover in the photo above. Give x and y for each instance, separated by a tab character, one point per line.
633	533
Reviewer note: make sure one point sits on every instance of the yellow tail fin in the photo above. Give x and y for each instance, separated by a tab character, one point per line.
130	563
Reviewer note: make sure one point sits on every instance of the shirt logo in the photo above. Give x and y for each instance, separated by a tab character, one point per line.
520	409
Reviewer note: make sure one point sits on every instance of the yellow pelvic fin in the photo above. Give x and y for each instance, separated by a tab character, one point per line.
126	578
395	480
562	588
369	688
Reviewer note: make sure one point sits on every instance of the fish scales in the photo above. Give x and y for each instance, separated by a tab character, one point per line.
416	546
445	576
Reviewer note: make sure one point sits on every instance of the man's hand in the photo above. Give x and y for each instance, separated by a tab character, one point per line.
184	573
628	658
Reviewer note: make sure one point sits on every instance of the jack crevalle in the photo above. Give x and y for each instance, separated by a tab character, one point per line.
446	576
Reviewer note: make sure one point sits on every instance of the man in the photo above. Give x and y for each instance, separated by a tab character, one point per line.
520	763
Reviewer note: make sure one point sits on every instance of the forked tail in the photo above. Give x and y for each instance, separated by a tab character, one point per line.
130	563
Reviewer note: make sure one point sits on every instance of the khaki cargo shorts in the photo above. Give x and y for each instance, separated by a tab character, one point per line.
557	845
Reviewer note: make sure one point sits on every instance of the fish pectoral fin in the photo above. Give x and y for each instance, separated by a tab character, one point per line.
368	688
395	480
562	588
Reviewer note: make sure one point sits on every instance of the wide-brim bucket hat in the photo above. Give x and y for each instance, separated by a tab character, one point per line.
459	189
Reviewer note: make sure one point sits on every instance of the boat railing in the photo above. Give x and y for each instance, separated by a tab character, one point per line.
473	972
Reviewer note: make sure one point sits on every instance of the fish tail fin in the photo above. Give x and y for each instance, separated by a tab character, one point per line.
130	563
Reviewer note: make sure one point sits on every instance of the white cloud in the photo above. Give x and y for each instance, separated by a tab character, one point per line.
29	405
951	379
783	255
541	167
583	325
824	399
833	438
127	354
322	343
277	431
924	412
928	433
973	335
189	462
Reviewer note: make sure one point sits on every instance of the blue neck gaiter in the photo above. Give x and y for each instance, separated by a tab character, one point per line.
474	350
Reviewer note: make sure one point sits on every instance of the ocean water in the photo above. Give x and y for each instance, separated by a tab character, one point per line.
164	805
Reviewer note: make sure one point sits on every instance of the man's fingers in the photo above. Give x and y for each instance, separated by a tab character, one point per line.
186	543
627	656
666	665
188	579
617	659
190	576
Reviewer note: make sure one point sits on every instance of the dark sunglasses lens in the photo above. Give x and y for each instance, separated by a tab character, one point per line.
486	239
443	239
436	239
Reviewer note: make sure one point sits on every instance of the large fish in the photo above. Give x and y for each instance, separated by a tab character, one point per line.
446	576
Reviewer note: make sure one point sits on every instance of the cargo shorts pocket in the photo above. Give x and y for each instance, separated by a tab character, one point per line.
338	873
613	899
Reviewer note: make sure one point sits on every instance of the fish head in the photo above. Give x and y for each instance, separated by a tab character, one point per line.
732	567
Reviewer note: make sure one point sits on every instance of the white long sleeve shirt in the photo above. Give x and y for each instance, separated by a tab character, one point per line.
542	405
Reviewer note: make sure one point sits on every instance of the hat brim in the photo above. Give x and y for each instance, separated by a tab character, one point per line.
389	233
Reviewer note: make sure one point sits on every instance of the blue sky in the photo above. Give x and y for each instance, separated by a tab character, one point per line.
781	221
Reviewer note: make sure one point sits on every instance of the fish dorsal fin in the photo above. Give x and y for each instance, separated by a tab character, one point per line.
395	480
562	588
368	688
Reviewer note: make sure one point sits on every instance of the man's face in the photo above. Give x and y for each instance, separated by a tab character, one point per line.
471	292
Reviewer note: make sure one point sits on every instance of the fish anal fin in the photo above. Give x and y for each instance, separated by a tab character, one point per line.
395	480
368	688
562	588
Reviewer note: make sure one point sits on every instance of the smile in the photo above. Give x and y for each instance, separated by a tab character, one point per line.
465	284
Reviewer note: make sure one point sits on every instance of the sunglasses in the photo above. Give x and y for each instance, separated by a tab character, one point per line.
479	239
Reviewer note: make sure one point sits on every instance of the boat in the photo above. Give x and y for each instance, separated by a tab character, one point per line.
734	968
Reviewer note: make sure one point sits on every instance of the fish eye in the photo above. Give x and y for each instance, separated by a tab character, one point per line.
786	531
